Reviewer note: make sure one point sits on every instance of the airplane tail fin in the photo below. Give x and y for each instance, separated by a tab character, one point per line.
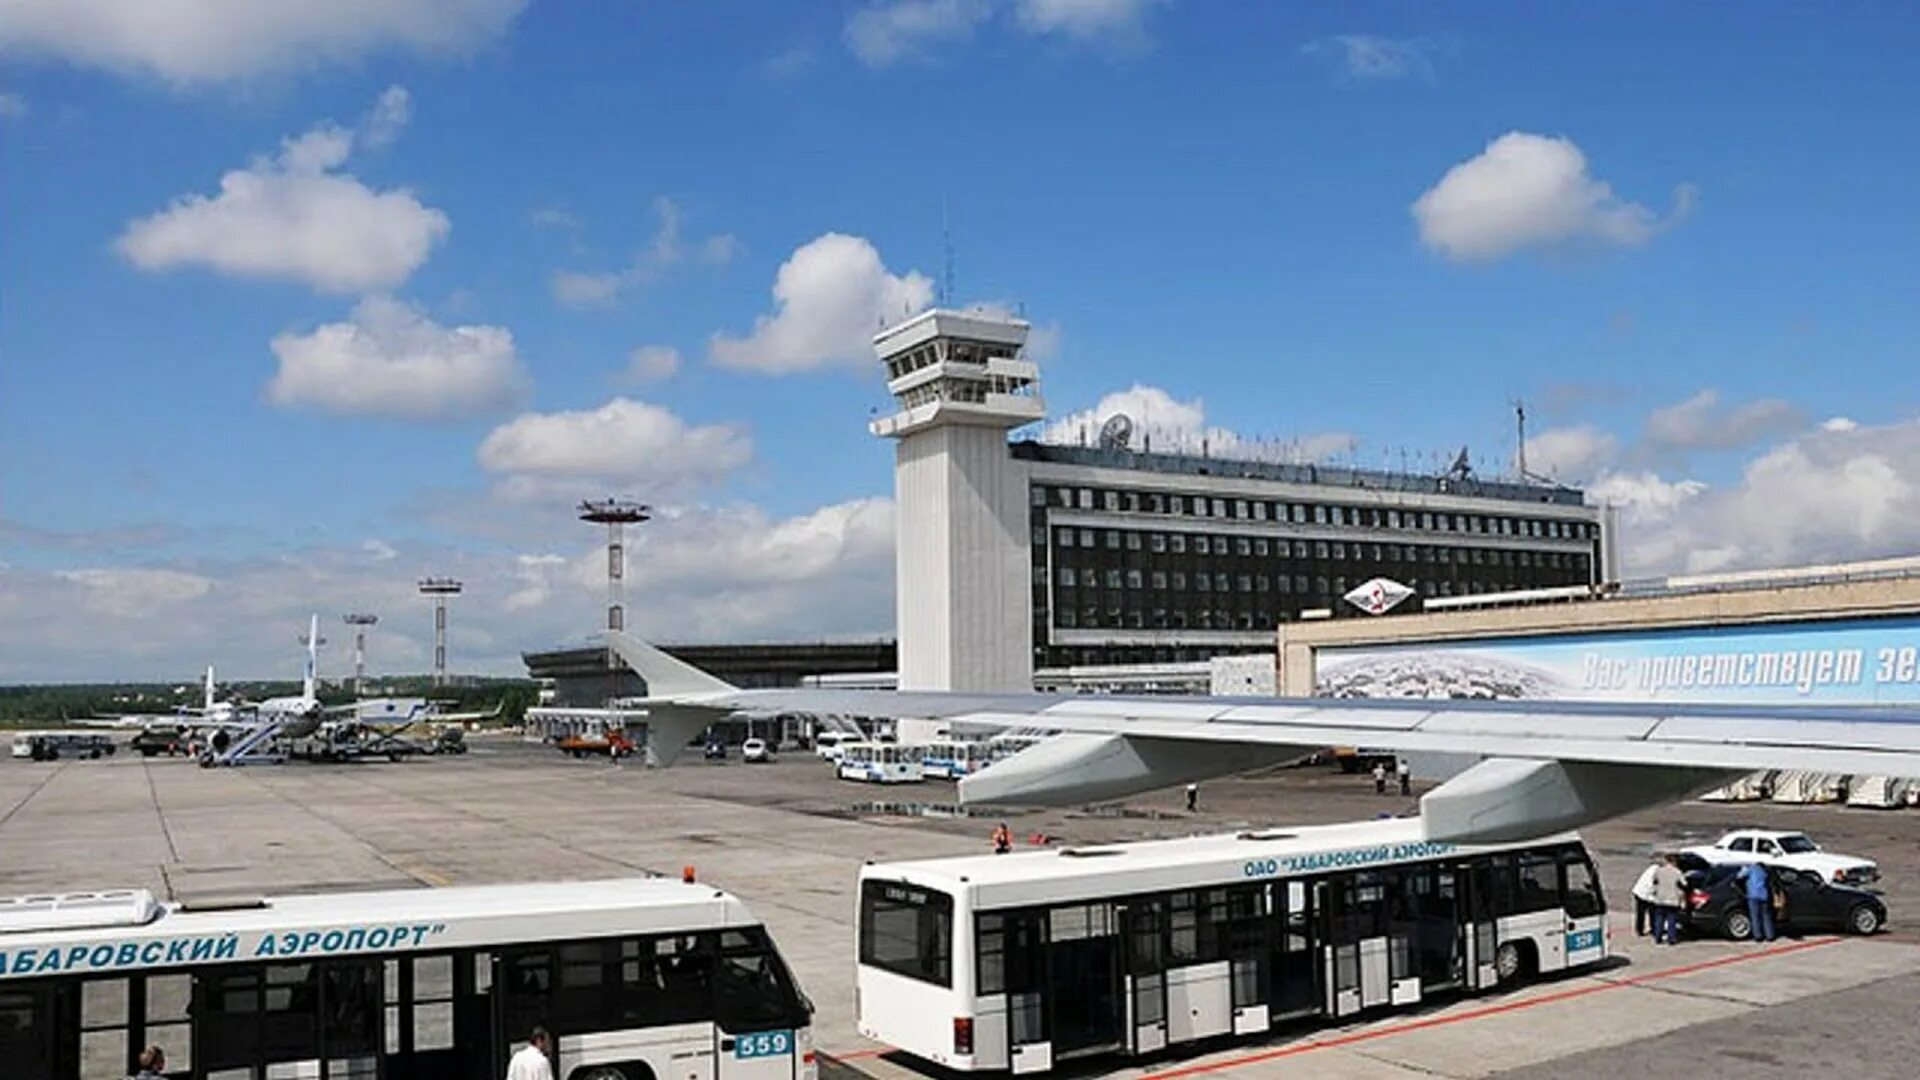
665	676
308	685
207	703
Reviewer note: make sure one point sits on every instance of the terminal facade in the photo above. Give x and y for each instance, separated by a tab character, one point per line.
1018	555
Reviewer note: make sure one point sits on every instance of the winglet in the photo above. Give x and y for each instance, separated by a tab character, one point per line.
665	676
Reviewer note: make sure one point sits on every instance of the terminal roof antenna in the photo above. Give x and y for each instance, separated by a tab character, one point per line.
946	255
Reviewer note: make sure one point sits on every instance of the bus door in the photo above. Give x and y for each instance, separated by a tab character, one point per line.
1295	971
1586	910
1479	929
1249	940
1356	954
28	1028
311	1019
1019	937
1084	1006
1145	921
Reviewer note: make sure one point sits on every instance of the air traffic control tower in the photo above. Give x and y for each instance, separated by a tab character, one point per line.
963	600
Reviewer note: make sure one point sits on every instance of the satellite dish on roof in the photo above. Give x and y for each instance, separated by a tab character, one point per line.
1117	432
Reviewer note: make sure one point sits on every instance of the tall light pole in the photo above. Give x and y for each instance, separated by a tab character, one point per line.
616	515
441	589
360	621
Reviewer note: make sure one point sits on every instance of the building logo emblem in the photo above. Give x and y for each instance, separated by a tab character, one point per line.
1378	595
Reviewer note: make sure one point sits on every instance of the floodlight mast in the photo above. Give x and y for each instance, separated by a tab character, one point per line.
616	515
442	590
360	621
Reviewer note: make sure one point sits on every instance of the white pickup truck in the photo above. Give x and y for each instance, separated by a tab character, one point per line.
1793	849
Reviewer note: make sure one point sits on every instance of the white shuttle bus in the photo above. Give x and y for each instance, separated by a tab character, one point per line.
1023	961
881	762
954	759
637	979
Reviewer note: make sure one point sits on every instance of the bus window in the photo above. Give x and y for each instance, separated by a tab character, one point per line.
169	1025
907	930
103	1027
751	988
432	1003
1582	891
1009	952
1539	879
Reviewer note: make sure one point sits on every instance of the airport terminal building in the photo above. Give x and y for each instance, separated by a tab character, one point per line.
1018	555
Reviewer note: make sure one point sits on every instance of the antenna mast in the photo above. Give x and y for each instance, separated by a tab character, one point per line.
1520	423
946	256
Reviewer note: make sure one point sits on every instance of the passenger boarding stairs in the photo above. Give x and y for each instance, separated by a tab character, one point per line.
259	745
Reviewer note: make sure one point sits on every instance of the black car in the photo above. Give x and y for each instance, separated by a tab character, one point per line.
714	750
1717	902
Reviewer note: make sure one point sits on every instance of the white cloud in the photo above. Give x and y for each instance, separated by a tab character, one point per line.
894	30
1368	56
134	590
1121	21
1699	423
390	359
1530	191
698	573
295	217
13	106
379	549
1839	423
625	443
1570	454
191	41
651	363
391	113
649	265
830	296
1165	424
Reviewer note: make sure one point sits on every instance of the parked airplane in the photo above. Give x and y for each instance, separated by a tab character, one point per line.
211	712
1545	766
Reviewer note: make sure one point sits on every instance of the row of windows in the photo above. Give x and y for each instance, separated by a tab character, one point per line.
1285	584
1372	517
959	351
1067	537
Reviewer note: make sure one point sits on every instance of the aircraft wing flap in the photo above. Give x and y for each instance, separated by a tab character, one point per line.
1831	734
1319	715
1543	725
1173	708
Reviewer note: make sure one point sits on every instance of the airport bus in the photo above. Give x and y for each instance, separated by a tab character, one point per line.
54	745
1023	961
637	979
880	762
954	759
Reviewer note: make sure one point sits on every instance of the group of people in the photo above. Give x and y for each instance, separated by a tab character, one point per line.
1660	895
1401	769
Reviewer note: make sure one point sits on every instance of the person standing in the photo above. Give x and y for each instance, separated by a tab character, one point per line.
1643	898
1405	772
531	1062
1379	778
1669	892
1759	883
1193	797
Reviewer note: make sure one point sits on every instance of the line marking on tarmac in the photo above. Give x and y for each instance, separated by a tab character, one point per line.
1604	984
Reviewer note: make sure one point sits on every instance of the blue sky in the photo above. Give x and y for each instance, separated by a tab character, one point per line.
1686	240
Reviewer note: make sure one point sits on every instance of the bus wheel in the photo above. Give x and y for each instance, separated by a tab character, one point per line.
629	1070
1508	963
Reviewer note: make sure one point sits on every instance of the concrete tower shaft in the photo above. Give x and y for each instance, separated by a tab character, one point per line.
960	499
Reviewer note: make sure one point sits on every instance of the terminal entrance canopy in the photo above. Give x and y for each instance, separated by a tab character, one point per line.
1547	766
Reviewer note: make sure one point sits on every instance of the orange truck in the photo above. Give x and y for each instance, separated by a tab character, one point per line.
614	744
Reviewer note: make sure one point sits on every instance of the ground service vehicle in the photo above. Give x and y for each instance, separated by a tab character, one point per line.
54	745
156	740
1794	849
635	978
1026	960
953	759
1717	903
614	744
755	751
880	763
827	744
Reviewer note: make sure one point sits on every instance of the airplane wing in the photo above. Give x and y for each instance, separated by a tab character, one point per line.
1547	763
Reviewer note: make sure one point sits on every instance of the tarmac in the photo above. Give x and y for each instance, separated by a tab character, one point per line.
788	839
